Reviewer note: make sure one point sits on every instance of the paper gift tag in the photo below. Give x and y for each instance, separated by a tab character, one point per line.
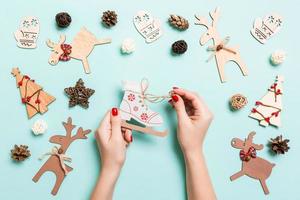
28	32
264	29
147	26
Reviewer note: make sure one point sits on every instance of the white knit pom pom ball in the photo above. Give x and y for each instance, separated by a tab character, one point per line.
128	46
39	127
278	57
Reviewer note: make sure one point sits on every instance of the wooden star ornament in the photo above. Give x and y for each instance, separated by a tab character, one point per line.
79	95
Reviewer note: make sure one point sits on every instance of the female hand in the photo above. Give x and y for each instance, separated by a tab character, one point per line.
112	140
194	119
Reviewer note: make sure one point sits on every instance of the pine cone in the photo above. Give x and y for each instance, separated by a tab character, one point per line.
20	153
63	19
179	47
178	22
238	101
109	18
278	145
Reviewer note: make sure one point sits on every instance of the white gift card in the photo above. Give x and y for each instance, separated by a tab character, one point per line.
264	29
147	26
28	32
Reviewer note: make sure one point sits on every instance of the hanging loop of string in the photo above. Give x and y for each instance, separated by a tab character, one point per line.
62	157
218	47
150	97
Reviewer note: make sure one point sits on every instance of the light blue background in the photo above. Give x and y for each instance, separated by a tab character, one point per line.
154	168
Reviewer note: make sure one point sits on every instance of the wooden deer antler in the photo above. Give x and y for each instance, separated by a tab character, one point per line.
215	15
81	134
201	21
69	127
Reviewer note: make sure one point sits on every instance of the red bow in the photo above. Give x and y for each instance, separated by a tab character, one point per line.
247	156
67	50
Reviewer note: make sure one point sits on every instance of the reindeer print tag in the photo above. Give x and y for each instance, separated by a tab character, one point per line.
26	36
264	29
147	26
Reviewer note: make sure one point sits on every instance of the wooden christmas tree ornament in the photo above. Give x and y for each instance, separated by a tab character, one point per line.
80	49
221	51
55	162
32	94
135	113
252	166
268	109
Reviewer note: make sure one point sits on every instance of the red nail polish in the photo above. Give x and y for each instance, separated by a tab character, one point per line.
175	88
131	138
175	98
114	111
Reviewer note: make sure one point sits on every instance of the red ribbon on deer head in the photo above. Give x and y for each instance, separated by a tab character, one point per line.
246	156
67	50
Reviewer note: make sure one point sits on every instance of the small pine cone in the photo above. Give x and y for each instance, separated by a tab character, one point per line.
109	18
178	22
278	145
63	19
20	153
238	101
179	47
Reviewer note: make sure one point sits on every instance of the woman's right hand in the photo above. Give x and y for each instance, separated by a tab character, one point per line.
194	119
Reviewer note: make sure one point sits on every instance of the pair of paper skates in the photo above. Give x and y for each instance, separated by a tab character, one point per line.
135	113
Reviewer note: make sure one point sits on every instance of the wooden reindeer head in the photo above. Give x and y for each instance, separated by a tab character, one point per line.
66	140
246	144
56	49
211	29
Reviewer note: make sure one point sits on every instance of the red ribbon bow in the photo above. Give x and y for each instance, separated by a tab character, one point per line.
67	50
246	156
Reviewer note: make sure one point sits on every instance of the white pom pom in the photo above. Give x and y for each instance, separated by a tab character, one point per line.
278	57
128	46
39	127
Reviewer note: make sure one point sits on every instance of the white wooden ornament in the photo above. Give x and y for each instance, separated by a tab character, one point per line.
147	26
268	110
264	29
220	50
134	107
28	32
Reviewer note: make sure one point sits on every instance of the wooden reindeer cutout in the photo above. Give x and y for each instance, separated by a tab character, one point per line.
221	52
80	49
252	166
55	162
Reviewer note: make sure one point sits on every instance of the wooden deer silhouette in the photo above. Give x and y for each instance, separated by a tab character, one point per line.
80	49
252	166
222	53
55	162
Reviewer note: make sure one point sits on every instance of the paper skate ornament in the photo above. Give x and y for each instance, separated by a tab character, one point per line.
55	162
220	50
264	29
252	166
26	36
147	26
80	49
268	110
134	108
32	94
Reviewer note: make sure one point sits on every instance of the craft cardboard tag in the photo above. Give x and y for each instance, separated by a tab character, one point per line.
264	29
147	26
28	32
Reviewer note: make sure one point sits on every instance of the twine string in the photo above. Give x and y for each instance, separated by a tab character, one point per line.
218	47
62	157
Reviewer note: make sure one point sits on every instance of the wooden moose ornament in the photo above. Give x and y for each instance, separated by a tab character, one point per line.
80	49
55	162
252	166
32	94
221	52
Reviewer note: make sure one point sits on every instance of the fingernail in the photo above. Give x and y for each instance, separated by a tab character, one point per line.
175	98
175	87
114	111
131	138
